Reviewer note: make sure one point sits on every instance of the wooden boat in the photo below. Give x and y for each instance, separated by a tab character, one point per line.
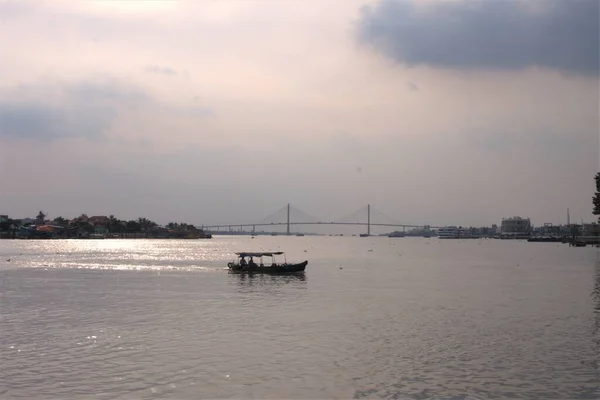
241	266
578	243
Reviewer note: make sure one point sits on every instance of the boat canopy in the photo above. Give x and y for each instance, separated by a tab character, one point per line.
267	254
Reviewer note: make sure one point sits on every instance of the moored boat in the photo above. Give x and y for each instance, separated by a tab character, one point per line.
396	234
578	243
241	265
547	239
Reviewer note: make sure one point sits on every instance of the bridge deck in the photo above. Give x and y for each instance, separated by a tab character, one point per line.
284	213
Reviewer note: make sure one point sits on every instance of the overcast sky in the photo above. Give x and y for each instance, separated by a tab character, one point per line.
435	112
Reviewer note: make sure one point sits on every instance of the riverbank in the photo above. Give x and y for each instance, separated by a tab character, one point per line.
135	235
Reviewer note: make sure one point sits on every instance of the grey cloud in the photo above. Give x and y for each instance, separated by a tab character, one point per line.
87	110
112	91
115	93
156	69
412	86
197	112
488	34
42	122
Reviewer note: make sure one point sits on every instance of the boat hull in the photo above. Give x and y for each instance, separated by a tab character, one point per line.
550	239
278	269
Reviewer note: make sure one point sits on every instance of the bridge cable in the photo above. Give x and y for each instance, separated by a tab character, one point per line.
276	217
378	216
359	215
301	215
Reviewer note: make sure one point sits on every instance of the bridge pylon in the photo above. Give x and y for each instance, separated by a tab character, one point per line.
368	220
288	219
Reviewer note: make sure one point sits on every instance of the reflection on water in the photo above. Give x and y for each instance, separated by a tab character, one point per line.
280	286
267	279
596	290
596	300
410	319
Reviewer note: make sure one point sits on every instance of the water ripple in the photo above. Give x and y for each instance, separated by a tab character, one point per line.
411	319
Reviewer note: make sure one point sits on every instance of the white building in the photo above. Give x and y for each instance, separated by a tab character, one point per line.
515	226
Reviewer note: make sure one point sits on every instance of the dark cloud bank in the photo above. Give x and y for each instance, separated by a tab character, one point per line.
488	34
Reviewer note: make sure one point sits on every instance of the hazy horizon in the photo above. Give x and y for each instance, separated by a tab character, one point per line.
442	112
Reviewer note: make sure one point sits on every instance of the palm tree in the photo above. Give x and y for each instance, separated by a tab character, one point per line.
112	223
133	226
41	217
146	224
143	223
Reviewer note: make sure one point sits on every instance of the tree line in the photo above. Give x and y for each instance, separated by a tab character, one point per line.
112	224
596	200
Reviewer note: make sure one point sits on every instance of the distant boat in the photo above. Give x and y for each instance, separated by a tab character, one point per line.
551	239
578	243
396	234
240	266
364	235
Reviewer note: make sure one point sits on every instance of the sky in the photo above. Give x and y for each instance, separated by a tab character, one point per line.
434	112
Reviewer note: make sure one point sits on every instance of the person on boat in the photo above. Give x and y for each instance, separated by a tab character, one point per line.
252	263
243	262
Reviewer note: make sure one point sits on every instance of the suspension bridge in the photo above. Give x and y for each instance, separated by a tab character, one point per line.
290	216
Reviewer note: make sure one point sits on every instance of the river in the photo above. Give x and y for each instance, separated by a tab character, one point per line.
376	317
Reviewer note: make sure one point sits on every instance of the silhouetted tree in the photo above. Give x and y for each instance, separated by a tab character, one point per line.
597	196
87	227
133	226
60	221
114	224
5	225
145	224
41	217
